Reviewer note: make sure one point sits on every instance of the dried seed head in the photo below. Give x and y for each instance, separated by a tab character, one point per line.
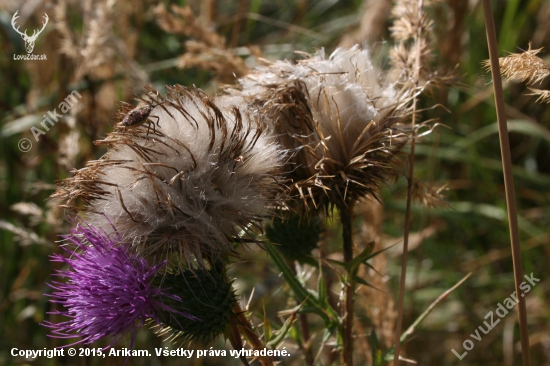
525	66
429	195
338	116
543	95
191	187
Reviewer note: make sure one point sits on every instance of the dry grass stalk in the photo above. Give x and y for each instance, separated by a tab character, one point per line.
411	30
208	50
372	25
379	304
508	178
24	236
97	51
94	58
30	209
69	147
451	24
412	54
68	42
543	95
430	196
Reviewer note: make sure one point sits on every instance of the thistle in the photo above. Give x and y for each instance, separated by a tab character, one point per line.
208	295
295	238
108	291
338	117
191	186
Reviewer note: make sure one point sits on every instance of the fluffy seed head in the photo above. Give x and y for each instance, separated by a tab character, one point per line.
338	116
191	185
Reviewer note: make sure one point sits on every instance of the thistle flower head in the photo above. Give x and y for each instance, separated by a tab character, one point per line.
108	291
338	116
295	238
207	294
191	185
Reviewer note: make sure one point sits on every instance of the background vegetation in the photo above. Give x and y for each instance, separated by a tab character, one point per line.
108	50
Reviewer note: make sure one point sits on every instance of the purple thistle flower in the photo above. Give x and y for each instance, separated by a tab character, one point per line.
109	291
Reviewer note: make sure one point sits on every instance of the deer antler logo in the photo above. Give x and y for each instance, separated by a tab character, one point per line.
29	41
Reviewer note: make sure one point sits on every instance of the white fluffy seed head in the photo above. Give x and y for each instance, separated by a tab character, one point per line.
337	115
190	185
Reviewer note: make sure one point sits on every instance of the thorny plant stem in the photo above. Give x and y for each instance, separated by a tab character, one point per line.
508	177
410	183
255	342
304	327
347	308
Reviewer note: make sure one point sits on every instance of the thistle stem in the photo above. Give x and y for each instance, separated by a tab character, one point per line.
304	327
508	178
347	309
241	323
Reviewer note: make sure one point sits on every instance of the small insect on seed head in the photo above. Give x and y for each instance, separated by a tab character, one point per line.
132	118
140	115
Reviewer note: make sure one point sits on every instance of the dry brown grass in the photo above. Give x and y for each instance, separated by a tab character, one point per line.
526	67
